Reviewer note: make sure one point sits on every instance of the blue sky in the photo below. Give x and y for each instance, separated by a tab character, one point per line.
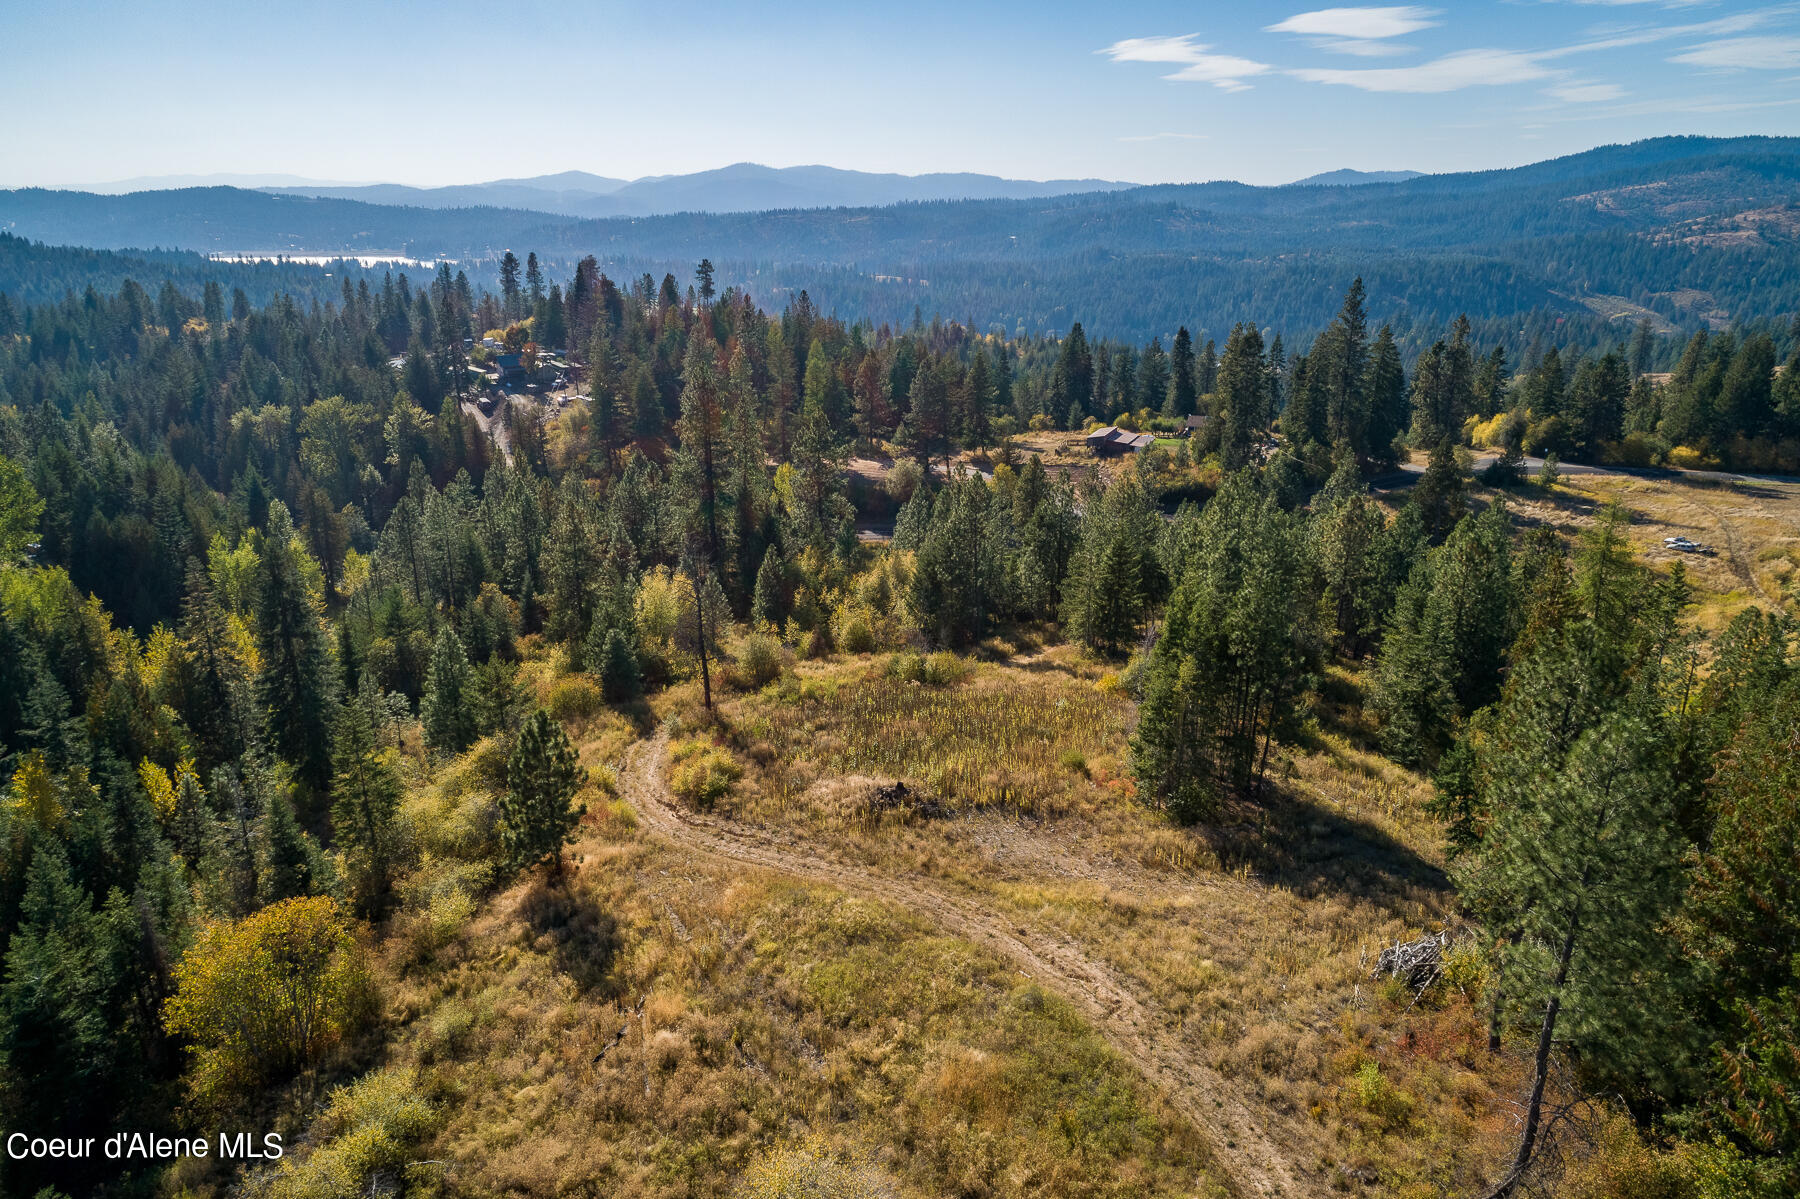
99	90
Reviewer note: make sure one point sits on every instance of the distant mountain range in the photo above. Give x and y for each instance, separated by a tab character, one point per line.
1346	178
742	187
1686	232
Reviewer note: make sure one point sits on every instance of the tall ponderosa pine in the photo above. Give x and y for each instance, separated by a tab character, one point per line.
446	710
1387	402
1183	388
1577	870
1073	379
1341	359
537	814
296	687
1242	402
365	806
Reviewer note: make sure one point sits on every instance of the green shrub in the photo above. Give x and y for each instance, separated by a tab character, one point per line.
944	668
758	660
575	699
374	1125
703	773
855	634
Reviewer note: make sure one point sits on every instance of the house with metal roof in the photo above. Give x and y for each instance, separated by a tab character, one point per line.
1113	441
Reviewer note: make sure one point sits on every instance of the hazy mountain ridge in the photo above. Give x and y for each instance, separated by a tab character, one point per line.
1348	177
740	187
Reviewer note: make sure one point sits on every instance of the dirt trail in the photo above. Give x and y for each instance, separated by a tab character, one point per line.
1740	563
1240	1145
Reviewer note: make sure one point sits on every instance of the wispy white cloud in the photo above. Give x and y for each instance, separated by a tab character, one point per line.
1361	47
1178	48
1658	3
1452	72
1195	59
1585	93
1164	137
1358	23
1744	53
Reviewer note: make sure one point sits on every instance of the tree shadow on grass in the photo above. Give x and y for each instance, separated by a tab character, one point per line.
1311	849
583	939
637	711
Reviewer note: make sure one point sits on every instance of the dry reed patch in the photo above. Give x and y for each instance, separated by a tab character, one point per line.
755	1011
1000	741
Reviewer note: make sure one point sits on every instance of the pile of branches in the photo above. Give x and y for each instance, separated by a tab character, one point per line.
909	802
1419	962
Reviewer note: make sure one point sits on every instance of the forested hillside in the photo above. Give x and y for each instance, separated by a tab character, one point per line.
1690	233
308	683
33	273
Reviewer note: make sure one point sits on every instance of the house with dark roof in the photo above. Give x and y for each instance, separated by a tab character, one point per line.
1112	441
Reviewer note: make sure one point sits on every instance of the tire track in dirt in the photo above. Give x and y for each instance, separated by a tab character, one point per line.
1739	565
1252	1162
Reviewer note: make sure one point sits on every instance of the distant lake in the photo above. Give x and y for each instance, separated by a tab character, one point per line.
362	260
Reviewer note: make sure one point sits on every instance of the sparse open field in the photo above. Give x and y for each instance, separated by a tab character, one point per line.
1753	527
1010	979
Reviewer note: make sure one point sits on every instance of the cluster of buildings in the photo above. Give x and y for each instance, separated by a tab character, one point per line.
505	371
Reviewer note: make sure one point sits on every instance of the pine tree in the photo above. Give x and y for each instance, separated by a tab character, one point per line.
1342	358
499	699
620	678
537	816
1576	873
1447	638
956	574
190	826
296	686
365	807
769	605
1182	386
1235	649
446	710
1074	374
1151	388
1347	528
213	681
1439	495
1113	572
509	285
1385	389
66	1053
1243	396
288	860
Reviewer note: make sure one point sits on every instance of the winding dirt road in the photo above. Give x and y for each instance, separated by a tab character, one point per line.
1255	1166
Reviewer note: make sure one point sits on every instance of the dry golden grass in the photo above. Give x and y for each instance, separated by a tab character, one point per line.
1253	939
662	1024
666	1023
1754	527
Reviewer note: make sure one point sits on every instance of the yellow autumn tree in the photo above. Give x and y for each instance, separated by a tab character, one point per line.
34	796
268	995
